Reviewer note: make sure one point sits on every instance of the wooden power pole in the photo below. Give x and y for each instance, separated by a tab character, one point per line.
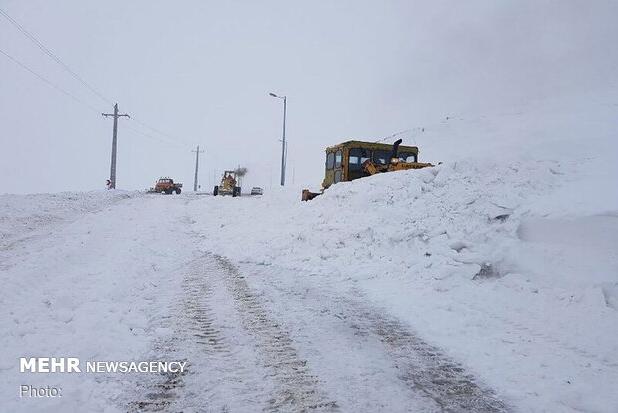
112	173
197	163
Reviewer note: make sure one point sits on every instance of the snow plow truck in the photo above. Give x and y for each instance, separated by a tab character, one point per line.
228	185
352	160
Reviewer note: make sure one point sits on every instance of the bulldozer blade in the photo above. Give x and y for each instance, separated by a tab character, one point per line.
307	195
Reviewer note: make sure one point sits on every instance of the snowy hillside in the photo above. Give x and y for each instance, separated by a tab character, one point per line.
487	283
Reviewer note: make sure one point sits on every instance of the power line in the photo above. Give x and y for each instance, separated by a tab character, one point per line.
48	82
51	54
150	136
92	89
155	130
81	102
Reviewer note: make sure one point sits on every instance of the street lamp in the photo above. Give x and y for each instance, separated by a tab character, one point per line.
283	147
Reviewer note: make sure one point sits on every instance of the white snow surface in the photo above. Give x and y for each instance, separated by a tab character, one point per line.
505	259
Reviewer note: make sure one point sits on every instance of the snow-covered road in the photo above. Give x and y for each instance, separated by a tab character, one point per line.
129	281
295	347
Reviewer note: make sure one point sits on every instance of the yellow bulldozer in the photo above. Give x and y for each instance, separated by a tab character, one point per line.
352	160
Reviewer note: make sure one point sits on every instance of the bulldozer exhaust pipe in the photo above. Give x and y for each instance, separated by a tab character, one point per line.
395	149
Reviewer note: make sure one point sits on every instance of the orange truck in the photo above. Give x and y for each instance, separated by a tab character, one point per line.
167	186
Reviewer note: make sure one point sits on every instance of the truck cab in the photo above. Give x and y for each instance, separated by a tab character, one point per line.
167	186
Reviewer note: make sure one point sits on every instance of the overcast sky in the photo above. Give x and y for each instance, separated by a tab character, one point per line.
200	71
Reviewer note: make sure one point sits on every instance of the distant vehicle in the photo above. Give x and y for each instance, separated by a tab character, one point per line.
227	185
167	186
256	190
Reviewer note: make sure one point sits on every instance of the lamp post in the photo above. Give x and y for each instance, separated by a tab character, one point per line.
283	147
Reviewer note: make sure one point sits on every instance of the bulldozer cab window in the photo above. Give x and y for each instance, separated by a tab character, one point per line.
337	176
407	157
357	157
330	160
381	157
355	162
338	157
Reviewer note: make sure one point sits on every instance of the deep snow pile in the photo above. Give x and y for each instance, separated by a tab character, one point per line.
468	219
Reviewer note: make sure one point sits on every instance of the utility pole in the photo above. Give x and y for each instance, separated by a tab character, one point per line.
284	149
112	172
197	163
283	145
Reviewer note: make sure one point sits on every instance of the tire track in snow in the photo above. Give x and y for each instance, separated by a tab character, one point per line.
296	388
159	396
196	338
162	392
240	360
220	377
423	368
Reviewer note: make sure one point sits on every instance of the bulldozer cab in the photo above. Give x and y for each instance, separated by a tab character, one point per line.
344	162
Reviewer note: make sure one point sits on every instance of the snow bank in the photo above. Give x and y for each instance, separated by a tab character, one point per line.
74	285
24	214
